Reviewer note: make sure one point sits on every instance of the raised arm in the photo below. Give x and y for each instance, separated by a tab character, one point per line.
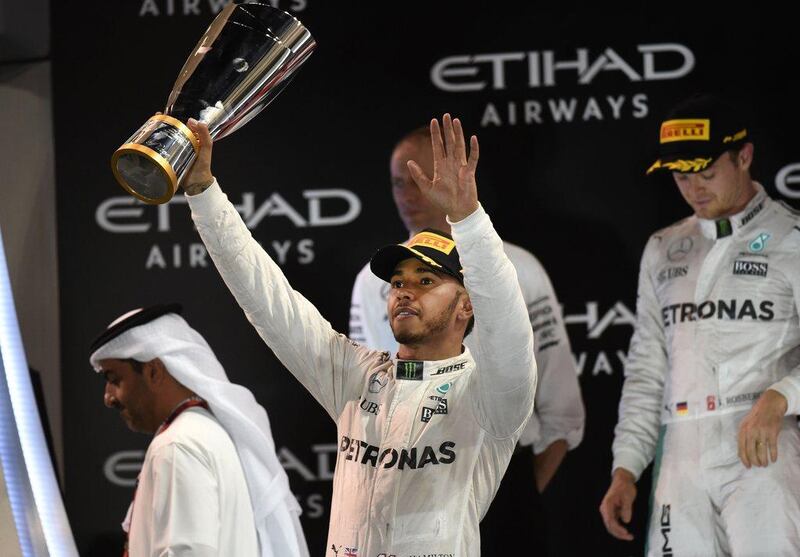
505	380
324	361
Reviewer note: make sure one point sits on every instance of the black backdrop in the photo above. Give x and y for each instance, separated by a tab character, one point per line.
566	103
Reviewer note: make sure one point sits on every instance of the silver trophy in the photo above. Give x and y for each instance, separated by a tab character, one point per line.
246	57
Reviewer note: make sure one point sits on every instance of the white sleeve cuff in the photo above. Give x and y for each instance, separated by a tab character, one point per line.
207	203
632	461
573	438
469	224
789	387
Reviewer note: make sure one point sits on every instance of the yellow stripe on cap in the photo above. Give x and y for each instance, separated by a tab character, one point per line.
735	137
425	258
685	130
694	165
434	241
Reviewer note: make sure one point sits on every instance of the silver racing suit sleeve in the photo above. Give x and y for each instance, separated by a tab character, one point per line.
559	412
358	323
559	404
368	323
324	361
636	433
789	386
505	375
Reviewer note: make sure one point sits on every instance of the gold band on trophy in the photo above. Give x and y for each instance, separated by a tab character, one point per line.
161	162
154	156
181	126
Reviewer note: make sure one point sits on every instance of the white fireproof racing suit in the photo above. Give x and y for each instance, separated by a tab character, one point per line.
559	412
422	445
717	324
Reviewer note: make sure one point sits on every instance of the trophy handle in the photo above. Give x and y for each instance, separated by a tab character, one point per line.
152	162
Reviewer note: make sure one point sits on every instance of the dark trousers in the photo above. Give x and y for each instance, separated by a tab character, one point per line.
515	522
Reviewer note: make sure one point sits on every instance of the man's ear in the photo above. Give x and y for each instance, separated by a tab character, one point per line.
745	156
465	311
155	372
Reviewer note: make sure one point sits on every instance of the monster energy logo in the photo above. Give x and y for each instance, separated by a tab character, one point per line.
410	369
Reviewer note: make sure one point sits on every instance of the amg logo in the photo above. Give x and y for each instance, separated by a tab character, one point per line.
721	309
671	273
364	453
666	550
447	369
755	268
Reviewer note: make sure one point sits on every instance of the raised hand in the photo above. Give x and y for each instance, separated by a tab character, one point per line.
452	188
200	176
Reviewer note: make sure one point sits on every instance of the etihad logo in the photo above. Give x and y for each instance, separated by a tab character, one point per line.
434	241
323	207
685	130
787	181
414	458
754	268
545	68
720	309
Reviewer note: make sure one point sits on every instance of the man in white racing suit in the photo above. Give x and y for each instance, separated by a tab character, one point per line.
424	438
557	422
712	383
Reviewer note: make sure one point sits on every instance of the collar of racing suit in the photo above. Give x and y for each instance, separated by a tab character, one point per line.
729	226
422	370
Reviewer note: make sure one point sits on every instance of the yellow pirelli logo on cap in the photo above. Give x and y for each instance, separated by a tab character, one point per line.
686	130
430	240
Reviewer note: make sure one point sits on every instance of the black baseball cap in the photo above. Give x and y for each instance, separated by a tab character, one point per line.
432	247
696	132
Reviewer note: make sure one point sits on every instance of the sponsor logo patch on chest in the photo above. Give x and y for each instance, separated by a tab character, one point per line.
754	268
669	273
